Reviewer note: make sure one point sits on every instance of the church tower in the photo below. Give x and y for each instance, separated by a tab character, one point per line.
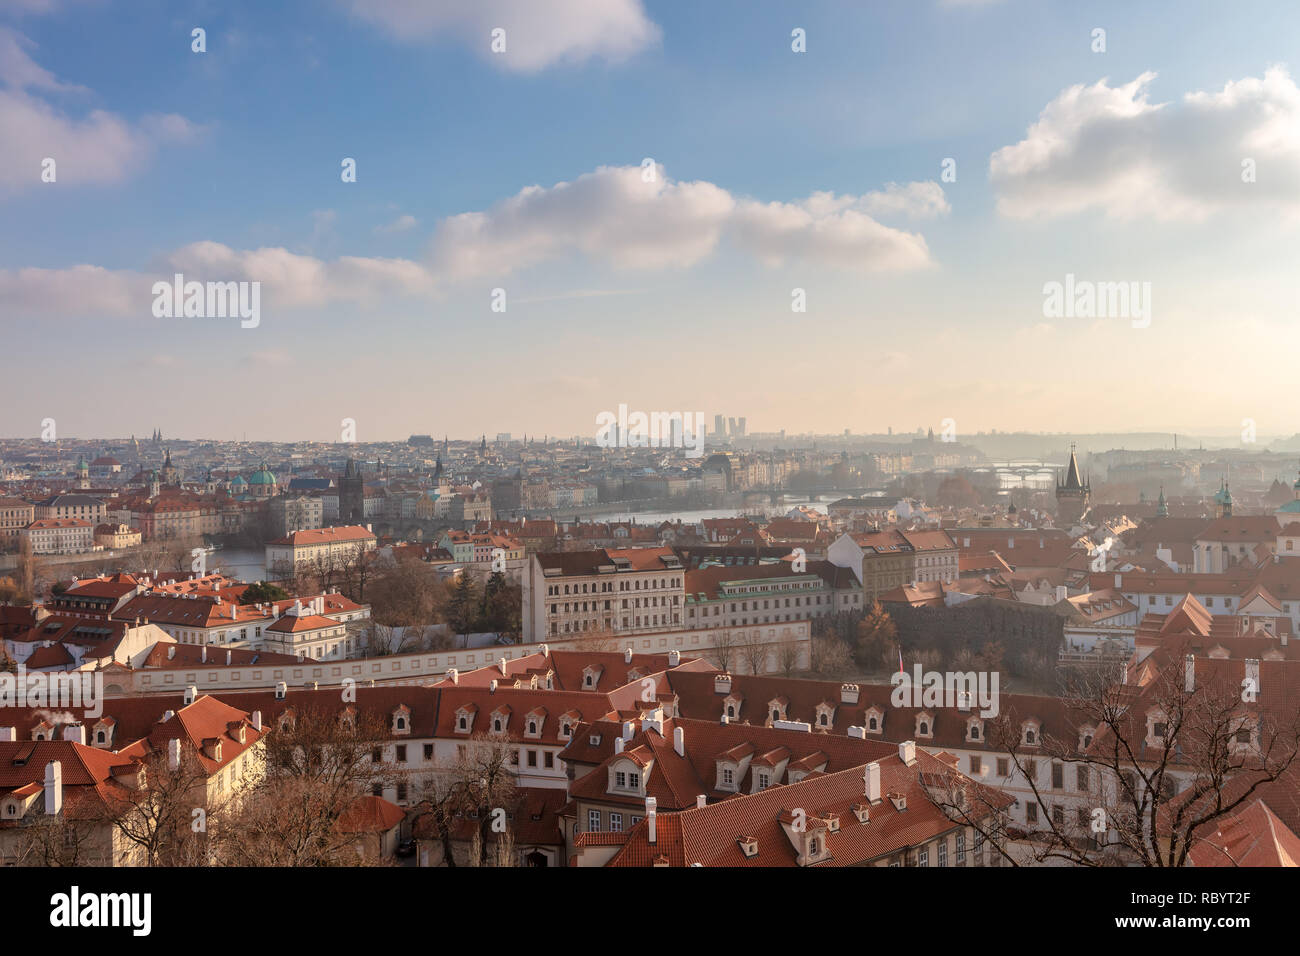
1073	494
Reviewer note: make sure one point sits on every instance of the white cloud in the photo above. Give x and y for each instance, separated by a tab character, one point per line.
611	215
539	33
82	290
403	223
1110	149
19	71
614	215
816	231
290	280
97	148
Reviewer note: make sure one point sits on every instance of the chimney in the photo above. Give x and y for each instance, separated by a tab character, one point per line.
849	693
722	684
257	721
171	651
75	732
628	729
229	655
281	690
650	816
8	733
453	675
674	657
174	753
203	658
725	721
871	782
627	654
544	650
618	745
907	752
167	715
1119	580
1189	673
1061	593
492	687
191	694
1252	674
701	801
679	741
53	788
501	664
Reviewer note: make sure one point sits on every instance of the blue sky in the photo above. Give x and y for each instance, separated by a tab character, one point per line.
925	300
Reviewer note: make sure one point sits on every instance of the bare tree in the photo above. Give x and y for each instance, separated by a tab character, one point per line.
164	816
754	653
478	787
1153	766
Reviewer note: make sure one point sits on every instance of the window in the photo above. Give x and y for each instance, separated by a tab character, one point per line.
401	753
1159	729
814	847
428	751
401	791
1031	813
1058	776
1058	816
549	759
975	764
376	755
1081	778
943	853
532	758
728	777
620	779
961	847
593	821
615	822
923	856
634	780
1003	766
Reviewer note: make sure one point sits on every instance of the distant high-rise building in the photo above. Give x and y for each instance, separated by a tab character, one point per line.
719	426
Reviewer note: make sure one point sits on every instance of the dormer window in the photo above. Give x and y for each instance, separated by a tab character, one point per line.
924	724
101	737
731	711
974	730
461	724
496	724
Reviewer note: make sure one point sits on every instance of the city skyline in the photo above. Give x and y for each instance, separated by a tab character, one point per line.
770	170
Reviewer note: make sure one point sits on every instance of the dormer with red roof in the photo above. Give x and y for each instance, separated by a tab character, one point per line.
732	766
500	719
732	704
402	720
534	720
465	715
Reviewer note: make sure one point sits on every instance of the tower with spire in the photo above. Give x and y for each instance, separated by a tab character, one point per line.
1162	506
1073	494
1223	500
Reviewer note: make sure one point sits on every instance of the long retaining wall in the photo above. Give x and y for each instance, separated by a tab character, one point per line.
428	668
